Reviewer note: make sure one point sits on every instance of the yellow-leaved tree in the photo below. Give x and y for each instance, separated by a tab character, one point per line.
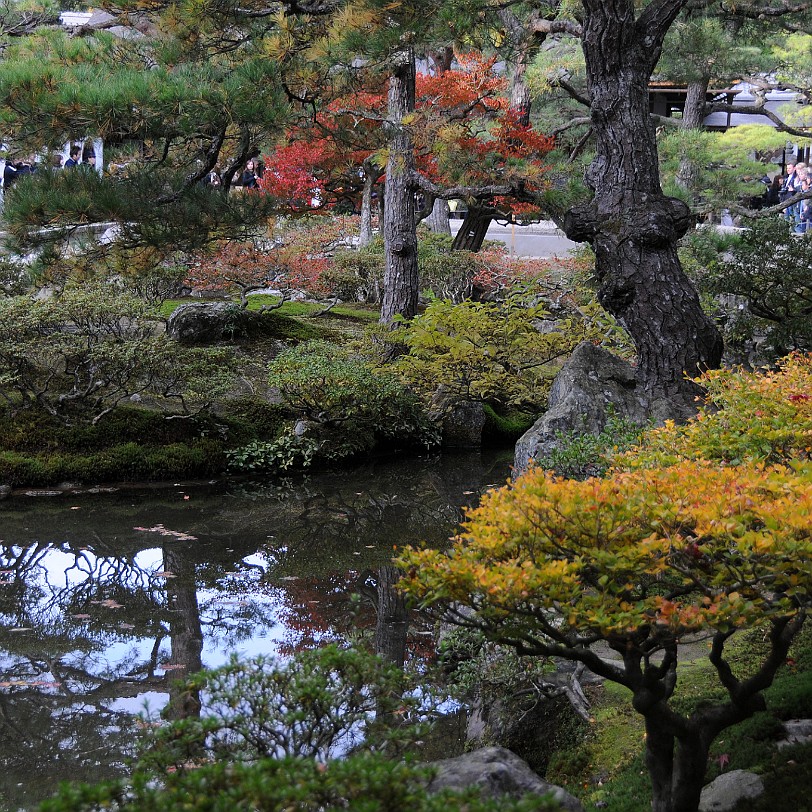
705	530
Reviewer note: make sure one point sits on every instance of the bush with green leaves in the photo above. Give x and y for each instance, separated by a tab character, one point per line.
321	704
341	394
582	454
502	353
324	730
761	285
356	275
79	353
364	783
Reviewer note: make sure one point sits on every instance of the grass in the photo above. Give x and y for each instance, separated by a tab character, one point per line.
605	769
297	309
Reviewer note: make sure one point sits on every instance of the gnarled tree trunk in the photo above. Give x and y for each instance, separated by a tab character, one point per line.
632	226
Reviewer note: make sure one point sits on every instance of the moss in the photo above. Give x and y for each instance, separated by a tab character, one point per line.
507	428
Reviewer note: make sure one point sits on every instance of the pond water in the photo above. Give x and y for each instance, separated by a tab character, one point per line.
106	599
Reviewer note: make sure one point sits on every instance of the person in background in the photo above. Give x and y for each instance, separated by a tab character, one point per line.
89	158
73	157
251	175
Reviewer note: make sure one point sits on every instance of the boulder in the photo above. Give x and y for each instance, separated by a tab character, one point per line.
797	731
462	421
592	385
5	491
204	322
496	772
463	424
725	792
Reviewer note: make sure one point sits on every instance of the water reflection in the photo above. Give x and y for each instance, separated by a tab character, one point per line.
105	601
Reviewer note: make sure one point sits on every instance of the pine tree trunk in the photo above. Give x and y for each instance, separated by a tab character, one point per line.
399	229
365	235
472	231
632	226
692	117
437	221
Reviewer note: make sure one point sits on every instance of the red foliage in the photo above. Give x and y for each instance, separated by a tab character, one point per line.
465	134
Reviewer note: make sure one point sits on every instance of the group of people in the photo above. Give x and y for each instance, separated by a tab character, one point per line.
77	156
797	179
249	178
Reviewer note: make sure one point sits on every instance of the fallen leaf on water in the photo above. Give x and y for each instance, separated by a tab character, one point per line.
161	530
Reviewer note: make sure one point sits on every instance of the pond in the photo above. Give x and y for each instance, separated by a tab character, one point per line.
106	599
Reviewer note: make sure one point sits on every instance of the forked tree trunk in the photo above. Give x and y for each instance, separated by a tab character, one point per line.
631	225
399	230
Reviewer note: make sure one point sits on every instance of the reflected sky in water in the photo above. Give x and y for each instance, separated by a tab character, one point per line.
106	600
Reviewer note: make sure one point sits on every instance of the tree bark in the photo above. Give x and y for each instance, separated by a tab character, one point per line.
365	235
632	226
399	229
437	221
692	117
473	230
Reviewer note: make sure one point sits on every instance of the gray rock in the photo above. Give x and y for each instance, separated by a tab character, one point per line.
463	424
496	772
5	491
591	386
725	792
798	731
204	322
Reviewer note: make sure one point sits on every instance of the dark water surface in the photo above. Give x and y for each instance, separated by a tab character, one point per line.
105	600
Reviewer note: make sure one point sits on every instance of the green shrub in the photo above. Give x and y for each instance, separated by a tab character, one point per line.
79	354
582	454
357	275
364	783
492	352
760	287
342	394
268	740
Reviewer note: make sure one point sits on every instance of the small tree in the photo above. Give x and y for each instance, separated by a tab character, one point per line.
79	354
647	559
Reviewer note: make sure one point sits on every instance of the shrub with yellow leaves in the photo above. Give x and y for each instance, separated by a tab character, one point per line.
704	531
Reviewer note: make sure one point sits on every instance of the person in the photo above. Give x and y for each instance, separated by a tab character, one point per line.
251	175
804	223
89	158
791	186
73	157
213	180
772	194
